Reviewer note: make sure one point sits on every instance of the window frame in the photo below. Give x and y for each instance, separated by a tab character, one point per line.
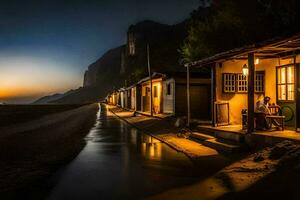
236	83
263	82
223	83
286	83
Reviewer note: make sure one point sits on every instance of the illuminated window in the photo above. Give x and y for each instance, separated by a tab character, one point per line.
242	83
259	82
229	83
239	83
285	83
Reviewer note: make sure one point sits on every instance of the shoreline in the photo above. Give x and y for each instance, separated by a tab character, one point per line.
242	177
30	157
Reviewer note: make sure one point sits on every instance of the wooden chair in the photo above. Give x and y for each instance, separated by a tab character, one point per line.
275	110
263	121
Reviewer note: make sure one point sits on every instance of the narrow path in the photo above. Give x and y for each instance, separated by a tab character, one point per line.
120	162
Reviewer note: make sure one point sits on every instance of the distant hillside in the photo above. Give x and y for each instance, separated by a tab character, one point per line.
52	98
48	99
101	77
127	63
81	95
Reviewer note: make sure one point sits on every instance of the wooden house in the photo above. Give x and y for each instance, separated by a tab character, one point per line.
134	97
169	94
175	99
157	103
122	97
243	76
131	95
115	97
138	97
109	99
127	101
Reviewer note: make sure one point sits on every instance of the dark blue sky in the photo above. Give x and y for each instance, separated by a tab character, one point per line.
66	36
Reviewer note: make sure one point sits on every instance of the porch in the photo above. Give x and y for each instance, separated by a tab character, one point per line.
235	133
244	76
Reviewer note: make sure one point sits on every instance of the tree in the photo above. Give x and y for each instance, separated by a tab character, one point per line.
228	24
137	75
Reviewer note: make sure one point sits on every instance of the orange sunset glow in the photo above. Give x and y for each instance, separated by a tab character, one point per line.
24	77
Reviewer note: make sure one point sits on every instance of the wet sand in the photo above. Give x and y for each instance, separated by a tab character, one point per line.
120	162
31	151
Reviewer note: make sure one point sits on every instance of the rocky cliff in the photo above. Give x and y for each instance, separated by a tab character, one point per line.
120	63
108	66
127	64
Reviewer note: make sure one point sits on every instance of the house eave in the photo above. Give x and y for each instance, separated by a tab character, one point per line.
274	48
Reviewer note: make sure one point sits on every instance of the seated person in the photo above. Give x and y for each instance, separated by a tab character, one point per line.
263	107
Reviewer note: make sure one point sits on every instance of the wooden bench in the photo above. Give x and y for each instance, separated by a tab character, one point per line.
262	118
278	119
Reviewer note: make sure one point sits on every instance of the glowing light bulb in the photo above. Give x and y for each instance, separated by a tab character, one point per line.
245	70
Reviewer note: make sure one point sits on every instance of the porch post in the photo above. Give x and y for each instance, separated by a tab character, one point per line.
150	76
251	68
213	94
188	95
297	80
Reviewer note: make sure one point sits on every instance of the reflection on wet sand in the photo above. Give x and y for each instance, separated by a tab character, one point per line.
121	162
151	148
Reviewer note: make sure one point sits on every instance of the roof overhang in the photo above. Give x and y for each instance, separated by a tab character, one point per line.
155	75
275	48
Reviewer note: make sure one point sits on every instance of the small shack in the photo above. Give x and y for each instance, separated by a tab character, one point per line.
157	103
122	97
135	97
175	99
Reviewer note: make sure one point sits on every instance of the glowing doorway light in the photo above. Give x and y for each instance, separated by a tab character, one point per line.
245	70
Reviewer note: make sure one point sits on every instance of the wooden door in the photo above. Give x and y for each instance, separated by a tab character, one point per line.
156	98
286	93
297	71
200	101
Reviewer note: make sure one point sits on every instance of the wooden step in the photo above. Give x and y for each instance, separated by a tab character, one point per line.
222	146
207	131
232	136
201	136
222	134
219	144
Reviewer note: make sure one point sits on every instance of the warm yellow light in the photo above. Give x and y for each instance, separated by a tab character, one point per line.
283	75
151	151
245	70
257	61
159	88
